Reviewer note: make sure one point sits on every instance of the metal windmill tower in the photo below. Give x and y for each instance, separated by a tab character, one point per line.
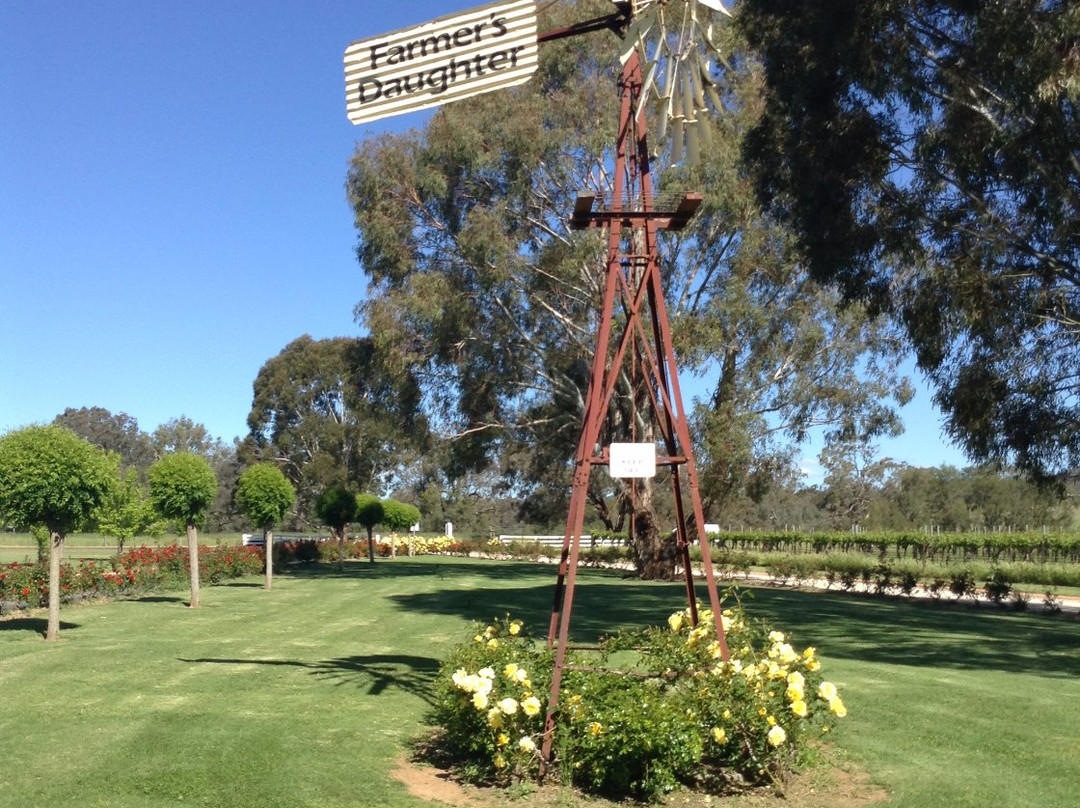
495	46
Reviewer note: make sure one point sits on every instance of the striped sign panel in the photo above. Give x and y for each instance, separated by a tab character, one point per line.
453	57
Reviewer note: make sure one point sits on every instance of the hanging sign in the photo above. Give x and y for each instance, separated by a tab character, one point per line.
632	460
447	59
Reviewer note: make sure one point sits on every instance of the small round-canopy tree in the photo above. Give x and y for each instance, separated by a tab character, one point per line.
265	496
336	507
51	478
127	512
369	512
183	487
399	516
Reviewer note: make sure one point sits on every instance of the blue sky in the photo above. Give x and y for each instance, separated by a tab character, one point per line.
172	207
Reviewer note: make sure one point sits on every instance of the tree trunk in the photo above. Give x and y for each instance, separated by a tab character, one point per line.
370	545
341	549
655	552
193	563
56	545
268	543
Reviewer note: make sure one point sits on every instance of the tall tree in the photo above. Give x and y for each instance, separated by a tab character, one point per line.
265	496
183	487
329	412
479	286
925	152
53	479
117	433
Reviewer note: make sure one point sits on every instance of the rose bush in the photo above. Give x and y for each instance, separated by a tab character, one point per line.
660	708
141	569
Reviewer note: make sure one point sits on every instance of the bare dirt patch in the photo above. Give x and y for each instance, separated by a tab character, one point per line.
835	786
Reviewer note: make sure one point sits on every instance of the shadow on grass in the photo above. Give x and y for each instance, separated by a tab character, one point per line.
38	625
430	566
866	629
160	599
377	672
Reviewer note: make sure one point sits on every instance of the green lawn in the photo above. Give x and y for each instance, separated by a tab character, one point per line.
305	696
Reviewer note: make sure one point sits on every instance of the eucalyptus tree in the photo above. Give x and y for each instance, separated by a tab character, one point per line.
925	152
51	478
477	285
113	432
330	412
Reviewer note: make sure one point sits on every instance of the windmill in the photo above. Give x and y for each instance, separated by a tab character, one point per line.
666	54
666	49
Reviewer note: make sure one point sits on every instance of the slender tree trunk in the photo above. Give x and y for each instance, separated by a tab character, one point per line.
341	549
56	546
268	543
370	545
193	563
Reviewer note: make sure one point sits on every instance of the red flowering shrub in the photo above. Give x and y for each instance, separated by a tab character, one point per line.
141	569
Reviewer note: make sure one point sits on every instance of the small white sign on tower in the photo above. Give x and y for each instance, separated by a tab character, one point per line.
447	59
632	460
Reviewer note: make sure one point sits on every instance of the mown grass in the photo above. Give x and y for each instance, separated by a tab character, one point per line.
307	694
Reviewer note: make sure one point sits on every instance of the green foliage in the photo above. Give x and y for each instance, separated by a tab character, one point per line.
182	487
489	703
336	507
674	714
51	478
331	412
127	512
369	511
398	515
264	495
479	288
925	153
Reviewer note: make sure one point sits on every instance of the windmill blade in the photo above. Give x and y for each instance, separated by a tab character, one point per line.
715	5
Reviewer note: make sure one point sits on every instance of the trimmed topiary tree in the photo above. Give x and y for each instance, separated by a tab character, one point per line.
265	496
369	512
336	507
50	478
183	487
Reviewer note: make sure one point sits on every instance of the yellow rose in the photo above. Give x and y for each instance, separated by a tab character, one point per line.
675	621
837	708
798	706
719	735
492	643
480	701
526	744
530	706
595	728
827	691
508	706
510	669
776	736
503	739
500	762
515	628
495	718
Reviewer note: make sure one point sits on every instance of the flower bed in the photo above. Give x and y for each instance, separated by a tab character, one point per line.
660	709
142	569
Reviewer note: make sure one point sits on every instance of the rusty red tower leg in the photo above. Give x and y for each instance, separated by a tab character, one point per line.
632	283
